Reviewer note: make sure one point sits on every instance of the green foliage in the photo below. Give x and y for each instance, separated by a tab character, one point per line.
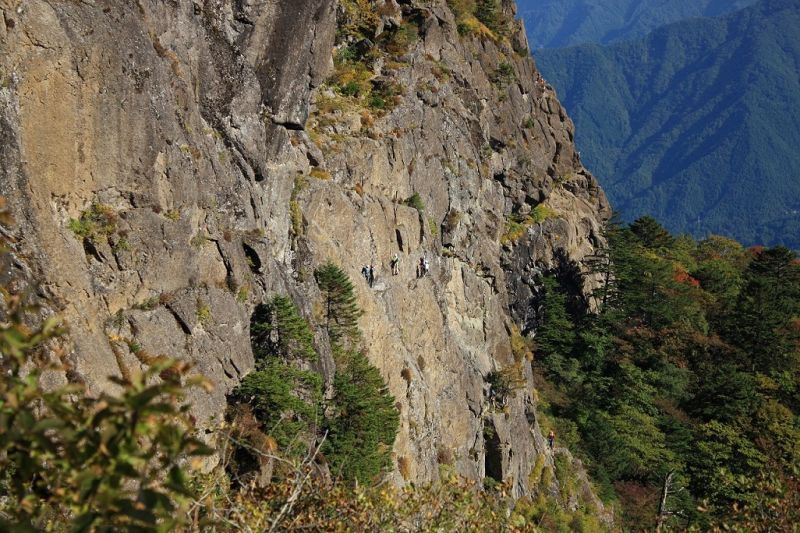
242	294
555	336
504	75
675	373
295	212
415	201
491	15
357	19
451	504
768	305
635	107
284	395
517	225
365	420
484	18
97	221
278	330
365	423
203	312
341	311
286	402
433	227
83	462
506	382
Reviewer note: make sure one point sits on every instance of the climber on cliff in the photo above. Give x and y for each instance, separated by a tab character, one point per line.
371	276
395	264
551	439
421	267
365	272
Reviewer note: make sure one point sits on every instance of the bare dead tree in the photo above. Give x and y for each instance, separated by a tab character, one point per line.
663	510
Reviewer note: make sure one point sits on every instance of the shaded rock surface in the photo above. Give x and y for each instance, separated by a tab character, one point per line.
201	129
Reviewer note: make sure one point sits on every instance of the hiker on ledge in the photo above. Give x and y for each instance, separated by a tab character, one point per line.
551	439
422	267
395	264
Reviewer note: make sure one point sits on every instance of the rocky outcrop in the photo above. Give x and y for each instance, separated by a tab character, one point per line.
199	147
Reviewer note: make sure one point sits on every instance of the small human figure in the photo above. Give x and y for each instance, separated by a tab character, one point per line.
371	278
365	272
395	264
551	439
421	267
426	266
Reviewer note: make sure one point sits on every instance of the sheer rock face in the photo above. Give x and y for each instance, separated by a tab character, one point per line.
189	122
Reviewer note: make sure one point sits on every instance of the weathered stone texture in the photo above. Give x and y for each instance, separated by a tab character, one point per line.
191	120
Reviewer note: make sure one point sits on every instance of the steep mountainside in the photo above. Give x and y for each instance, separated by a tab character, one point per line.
173	164
560	23
697	124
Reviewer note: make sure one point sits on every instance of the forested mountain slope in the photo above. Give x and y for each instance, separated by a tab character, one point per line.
560	23
681	390
696	124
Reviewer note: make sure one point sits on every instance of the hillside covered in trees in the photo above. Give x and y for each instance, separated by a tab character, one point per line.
686	378
561	23
695	124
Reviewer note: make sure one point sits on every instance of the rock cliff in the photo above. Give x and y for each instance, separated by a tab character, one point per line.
171	164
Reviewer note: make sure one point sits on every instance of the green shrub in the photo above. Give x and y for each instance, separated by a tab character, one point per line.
83	462
402	39
504	74
357	19
506	382
286	402
518	225
243	294
513	231
541	213
295	212
99	220
415	201
433	226
203	312
490	13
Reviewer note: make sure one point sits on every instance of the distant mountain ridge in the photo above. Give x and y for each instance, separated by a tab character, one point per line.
697	124
561	23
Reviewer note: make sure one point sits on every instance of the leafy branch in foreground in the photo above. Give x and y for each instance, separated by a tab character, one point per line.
68	458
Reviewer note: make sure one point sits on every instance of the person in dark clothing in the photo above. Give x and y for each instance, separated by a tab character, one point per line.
551	439
365	272
371	278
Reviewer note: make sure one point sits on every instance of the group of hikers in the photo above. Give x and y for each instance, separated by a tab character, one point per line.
368	271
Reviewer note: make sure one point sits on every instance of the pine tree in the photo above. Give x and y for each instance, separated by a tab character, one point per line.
277	329
768	305
284	393
651	234
364	423
341	309
555	336
362	431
